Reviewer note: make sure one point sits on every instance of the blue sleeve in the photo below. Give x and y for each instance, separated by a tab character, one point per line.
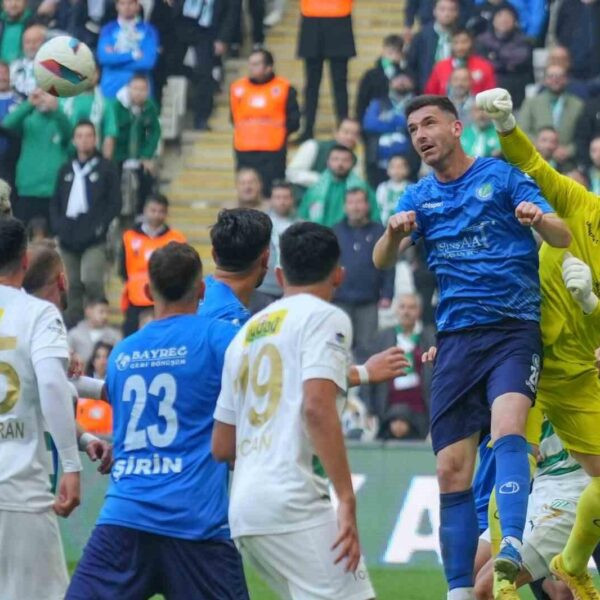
222	333
110	58
371	121
149	50
522	188
535	18
405	202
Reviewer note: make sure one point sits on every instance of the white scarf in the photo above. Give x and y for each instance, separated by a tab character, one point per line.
78	201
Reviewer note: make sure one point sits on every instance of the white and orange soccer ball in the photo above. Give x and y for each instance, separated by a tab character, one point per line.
64	66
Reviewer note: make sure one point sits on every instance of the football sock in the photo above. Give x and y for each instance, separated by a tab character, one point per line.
459	533
586	532
512	484
461	594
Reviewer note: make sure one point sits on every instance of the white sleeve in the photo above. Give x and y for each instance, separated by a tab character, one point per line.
299	171
225	410
49	337
88	387
58	412
326	344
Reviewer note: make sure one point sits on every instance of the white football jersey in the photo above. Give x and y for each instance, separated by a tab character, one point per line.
278	482
30	330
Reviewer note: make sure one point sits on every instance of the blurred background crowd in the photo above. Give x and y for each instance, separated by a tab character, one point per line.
91	171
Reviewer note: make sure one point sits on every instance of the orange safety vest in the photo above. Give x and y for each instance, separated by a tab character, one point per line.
259	114
138	250
95	416
326	8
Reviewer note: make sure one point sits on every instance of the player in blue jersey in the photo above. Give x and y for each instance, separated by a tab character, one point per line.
163	527
475	217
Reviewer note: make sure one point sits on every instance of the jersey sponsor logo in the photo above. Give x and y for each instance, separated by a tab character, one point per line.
534	377
510	487
473	241
432	205
157	357
485	191
265	326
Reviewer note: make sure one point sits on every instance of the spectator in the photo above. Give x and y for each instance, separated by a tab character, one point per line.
402	404
509	51
14	19
264	108
21	69
459	91
138	245
559	55
533	17
310	159
546	144
248	186
98	361
126	47
365	288
38	230
91	105
87	199
5	205
384	126
481	69
138	127
324	202
553	107
577	27
93	329
587	128
423	10
375	82
208	32
325	33
483	13
479	138
389	192
257	15
432	43
593	173
282	214
9	148
45	134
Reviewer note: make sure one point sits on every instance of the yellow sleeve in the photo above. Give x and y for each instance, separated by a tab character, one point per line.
566	196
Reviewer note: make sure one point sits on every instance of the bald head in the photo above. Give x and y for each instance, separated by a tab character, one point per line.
33	38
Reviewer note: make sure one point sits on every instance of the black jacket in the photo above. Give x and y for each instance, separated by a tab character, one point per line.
423	10
321	37
104	200
223	20
421	56
588	127
373	84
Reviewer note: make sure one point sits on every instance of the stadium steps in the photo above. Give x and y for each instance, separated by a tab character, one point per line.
200	171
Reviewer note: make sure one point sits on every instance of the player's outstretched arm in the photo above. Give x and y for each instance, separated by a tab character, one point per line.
325	431
396	239
552	229
564	194
383	366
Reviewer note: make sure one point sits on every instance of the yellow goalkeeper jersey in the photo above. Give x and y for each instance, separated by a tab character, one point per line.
570	337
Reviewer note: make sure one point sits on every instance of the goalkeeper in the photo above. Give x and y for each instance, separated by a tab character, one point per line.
569	387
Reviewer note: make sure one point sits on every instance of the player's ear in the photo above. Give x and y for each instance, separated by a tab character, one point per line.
338	276
24	262
264	257
279	276
458	128
200	289
62	281
148	291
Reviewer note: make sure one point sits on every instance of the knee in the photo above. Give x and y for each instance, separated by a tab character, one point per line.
483	589
451	475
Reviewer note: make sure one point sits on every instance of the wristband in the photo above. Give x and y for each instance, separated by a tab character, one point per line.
363	374
85	439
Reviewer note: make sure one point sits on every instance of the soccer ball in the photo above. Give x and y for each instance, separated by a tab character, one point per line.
64	66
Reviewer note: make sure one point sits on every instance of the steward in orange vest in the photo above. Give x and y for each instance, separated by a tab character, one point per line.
138	245
325	34
264	111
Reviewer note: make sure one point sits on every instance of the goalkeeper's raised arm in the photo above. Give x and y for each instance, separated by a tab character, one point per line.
565	195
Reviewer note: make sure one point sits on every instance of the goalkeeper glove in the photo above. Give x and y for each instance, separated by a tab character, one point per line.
578	280
497	103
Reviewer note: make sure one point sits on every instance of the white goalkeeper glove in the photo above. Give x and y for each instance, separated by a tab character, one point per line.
578	280
498	104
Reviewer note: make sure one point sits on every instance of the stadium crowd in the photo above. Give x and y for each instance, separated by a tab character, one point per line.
85	170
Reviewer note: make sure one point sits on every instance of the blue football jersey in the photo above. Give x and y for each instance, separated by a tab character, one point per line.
221	303
163	383
485	261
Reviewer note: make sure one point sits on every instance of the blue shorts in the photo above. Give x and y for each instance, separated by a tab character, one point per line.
475	366
128	564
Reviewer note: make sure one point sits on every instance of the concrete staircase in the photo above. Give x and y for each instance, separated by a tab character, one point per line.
201	171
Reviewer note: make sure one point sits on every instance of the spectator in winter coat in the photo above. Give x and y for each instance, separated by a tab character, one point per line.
126	47
384	125
15	17
9	148
87	199
21	70
533	16
588	127
423	10
509	51
481	69
375	82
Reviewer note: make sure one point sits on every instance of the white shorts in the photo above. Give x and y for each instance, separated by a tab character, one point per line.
32	561
300	565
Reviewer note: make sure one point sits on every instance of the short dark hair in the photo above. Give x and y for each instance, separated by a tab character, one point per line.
268	58
356	190
89	367
157	199
309	253
442	102
139	75
461	31
393	41
84	123
45	263
94	301
282	184
13	244
173	270
239	237
340	148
